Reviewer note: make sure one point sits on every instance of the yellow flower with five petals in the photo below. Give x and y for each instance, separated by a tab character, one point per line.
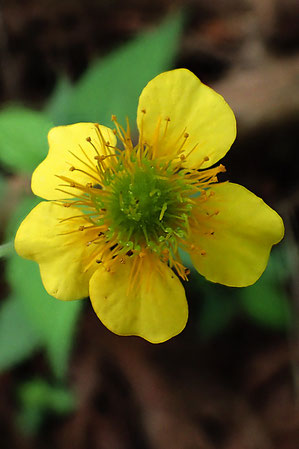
115	218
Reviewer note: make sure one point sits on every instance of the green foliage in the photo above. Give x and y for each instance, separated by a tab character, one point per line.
23	138
113	85
52	320
219	307
37	397
59	103
23	208
6	249
266	301
267	304
17	337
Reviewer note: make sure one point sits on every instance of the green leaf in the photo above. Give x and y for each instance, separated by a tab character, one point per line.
37	398
23	138
112	85
54	321
17	337
6	249
58	106
23	209
38	393
219	307
60	342
266	301
267	304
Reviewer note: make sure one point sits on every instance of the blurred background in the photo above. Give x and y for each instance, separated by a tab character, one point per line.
230	380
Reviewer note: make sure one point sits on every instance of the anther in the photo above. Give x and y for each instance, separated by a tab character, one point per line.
203	252
141	255
143	111
206	158
100	158
89	185
186	135
182	157
88	139
187	271
67	205
72	168
81	228
167	119
113	118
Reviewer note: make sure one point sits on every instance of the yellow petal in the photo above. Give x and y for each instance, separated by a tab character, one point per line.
192	108
238	239
156	309
66	145
62	258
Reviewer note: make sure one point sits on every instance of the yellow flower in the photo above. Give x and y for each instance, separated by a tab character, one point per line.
116	218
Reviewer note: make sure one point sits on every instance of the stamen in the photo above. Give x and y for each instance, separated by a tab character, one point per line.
86	173
105	145
156	139
119	130
88	139
167	119
89	166
180	149
139	205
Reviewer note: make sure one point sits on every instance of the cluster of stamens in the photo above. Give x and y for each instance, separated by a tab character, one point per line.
136	202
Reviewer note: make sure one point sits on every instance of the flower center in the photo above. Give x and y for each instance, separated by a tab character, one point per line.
138	202
146	205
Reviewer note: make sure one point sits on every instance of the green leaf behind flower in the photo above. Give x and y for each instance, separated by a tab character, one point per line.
53	320
219	307
6	249
266	301
17	337
58	107
23	138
